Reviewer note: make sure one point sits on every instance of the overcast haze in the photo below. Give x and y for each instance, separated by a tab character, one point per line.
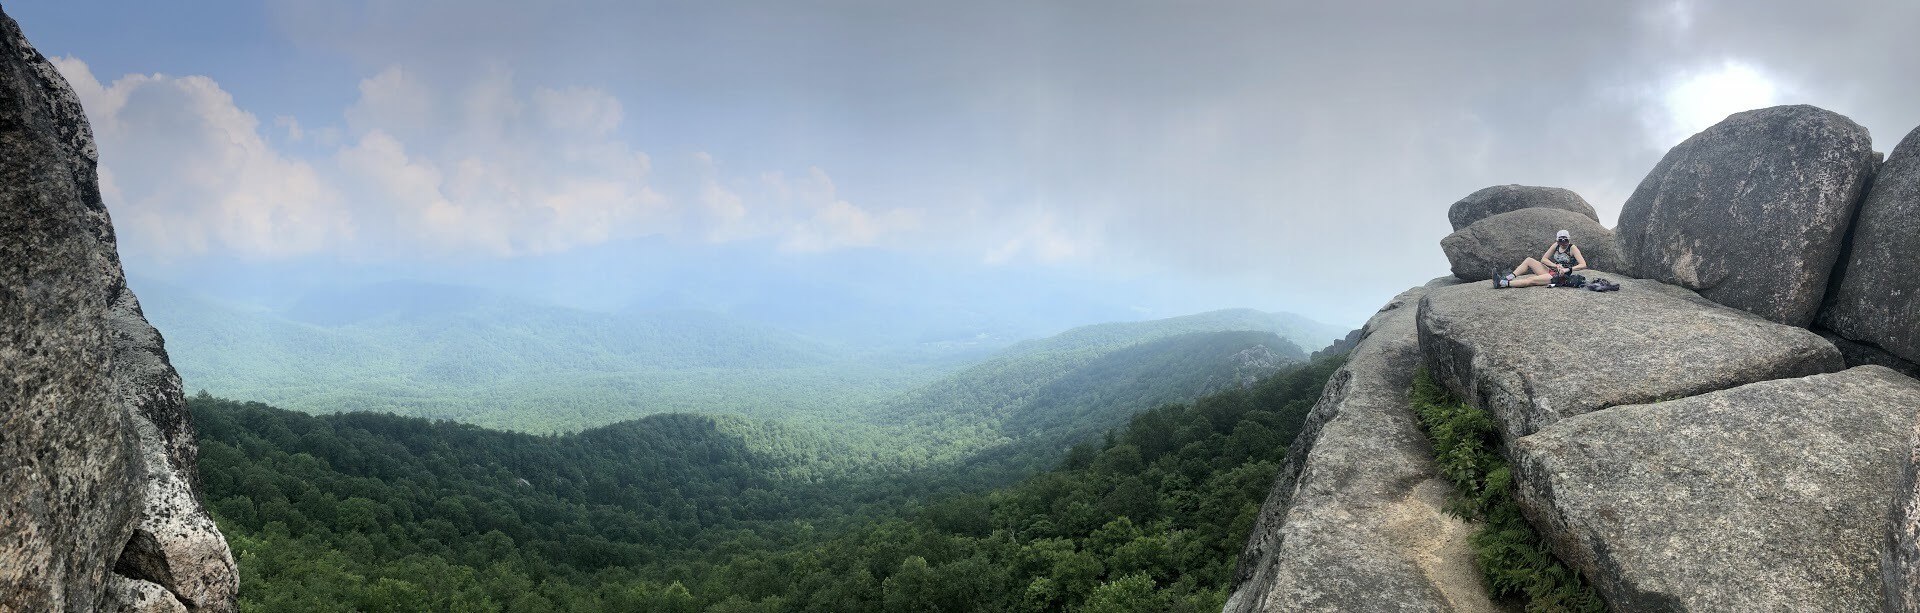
1282	156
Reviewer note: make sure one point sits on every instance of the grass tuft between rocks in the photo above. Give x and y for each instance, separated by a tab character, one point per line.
1513	558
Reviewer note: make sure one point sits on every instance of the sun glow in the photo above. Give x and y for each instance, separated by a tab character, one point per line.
1704	98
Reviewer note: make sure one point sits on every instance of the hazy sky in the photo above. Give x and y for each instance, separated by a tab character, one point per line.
1281	155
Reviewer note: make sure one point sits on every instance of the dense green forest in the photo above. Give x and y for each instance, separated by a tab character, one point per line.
479	357
679	512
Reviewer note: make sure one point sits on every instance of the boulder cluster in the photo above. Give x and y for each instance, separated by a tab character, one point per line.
1734	430
99	502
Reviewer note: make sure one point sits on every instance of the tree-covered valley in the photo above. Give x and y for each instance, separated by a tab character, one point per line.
370	512
416	447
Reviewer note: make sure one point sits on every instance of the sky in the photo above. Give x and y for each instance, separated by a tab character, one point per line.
1174	157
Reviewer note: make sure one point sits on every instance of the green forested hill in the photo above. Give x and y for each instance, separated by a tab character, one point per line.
358	512
1020	408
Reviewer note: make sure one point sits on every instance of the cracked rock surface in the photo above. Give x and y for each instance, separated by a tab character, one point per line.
1355	521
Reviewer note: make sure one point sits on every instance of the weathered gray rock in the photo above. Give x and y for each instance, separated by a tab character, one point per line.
1900	566
1508	198
1771	496
97	448
1355	521
1534	356
1503	241
175	544
126	595
68	461
1877	297
1751	212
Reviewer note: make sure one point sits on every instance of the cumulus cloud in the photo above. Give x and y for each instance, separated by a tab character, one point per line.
804	214
489	167
417	169
184	170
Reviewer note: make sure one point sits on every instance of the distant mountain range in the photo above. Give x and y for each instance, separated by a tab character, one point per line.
488	358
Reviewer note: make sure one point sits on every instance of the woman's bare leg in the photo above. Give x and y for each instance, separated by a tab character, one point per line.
1531	267
1531	280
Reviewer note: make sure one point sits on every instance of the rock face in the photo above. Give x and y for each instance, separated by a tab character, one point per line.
1355	521
1503	241
1534	356
1751	213
1900	566
1766	497
1874	300
97	504
1508	198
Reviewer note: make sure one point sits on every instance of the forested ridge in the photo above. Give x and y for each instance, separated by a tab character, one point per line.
679	512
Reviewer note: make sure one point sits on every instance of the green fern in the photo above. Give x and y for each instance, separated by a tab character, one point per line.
1512	557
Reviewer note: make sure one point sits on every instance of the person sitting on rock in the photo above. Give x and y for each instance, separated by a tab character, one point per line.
1562	257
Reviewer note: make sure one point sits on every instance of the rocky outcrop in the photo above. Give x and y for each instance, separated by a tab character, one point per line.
1508	198
1535	356
97	505
1766	497
1751	212
1340	347
1502	241
1355	521
1874	300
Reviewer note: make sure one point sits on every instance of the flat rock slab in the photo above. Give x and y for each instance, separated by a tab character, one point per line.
1534	356
1772	496
1355	521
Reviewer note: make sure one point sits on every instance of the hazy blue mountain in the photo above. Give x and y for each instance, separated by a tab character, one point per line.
484	358
490	358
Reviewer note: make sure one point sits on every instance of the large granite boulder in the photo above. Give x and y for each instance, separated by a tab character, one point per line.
1771	496
1508	198
1751	213
96	460
1534	356
1503	241
1874	300
1356	520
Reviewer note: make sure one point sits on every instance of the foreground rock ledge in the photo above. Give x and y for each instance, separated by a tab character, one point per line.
1355	520
1767	497
98	506
1535	356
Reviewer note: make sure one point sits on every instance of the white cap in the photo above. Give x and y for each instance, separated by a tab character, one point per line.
1560	235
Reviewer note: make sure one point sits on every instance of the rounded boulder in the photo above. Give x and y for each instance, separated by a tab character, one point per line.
1502	241
1751	212
1508	198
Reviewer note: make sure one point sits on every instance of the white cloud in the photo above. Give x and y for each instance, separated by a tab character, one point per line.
184	171
804	215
